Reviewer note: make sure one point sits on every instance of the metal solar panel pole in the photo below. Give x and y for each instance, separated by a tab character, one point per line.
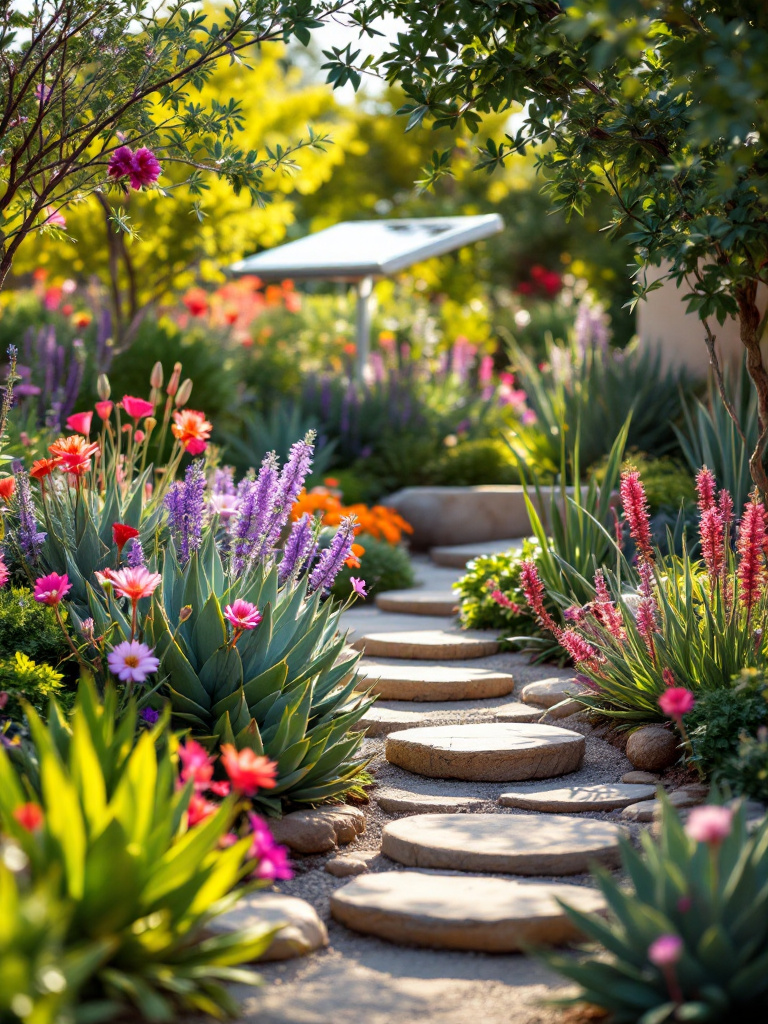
363	324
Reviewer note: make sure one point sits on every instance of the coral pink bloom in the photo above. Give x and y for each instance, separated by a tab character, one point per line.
242	615
42	468
199	809
137	408
709	824
120	162
145	168
712	533
248	771
52	589
635	504
197	765
751	572
135	583
7	488
705	488
666	950
192	430
29	816
578	648
54	217
81	422
104	409
533	589
73	454
676	702
196	301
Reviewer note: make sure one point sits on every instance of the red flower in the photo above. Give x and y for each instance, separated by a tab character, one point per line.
122	533
81	422
705	488
533	589
29	816
7	488
43	467
137	408
196	301
73	454
712	532
248	771
635	504
199	809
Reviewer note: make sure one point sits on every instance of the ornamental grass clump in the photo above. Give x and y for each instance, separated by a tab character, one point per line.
687	938
689	624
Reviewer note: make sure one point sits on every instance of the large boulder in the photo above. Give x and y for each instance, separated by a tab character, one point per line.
652	748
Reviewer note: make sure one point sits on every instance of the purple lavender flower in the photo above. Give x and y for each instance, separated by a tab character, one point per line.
186	509
331	561
287	491
29	538
149	715
591	327
223	480
257	500
298	548
135	556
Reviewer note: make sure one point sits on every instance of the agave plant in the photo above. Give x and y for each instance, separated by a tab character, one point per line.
687	938
107	809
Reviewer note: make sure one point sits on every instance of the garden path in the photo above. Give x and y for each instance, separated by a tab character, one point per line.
450	864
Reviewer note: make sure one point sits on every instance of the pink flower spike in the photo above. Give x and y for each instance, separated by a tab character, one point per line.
533	589
52	589
132	661
80	422
665	951
578	648
705	488
709	824
751	572
145	168
242	615
676	702
635	503
358	586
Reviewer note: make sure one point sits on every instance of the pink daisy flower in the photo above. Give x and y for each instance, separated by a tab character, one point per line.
52	589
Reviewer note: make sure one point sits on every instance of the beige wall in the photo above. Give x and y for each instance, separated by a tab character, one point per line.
662	320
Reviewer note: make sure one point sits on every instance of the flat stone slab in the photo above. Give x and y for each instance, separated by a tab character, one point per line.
518	844
300	929
415	680
648	810
547	692
378	721
487	751
492	915
435	798
418	602
517	712
458	555
427	644
600	797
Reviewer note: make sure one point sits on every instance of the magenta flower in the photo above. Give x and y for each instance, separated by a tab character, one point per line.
712	533
273	859
635	504
605	611
4	573
43	92
197	764
145	169
534	592
54	217
578	648
132	661
676	702
666	950
52	589
705	489
242	615
358	586
120	162
710	824
751	572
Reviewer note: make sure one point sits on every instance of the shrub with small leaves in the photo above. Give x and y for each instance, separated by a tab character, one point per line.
486	578
29	627
721	718
23	679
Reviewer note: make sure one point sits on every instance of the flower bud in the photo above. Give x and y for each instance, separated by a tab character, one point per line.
173	383
102	387
185	613
184	392
149	424
156	377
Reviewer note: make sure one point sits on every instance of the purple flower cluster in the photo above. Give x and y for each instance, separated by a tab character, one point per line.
299	549
135	557
223	481
29	538
331	561
186	510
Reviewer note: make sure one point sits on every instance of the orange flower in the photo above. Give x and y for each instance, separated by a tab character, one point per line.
355	555
192	429
42	468
247	770
73	454
29	816
7	488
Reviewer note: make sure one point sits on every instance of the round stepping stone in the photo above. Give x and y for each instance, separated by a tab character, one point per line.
418	602
487	751
600	797
492	915
437	799
647	810
517	844
418	681
547	692
457	555
517	712
427	644
379	721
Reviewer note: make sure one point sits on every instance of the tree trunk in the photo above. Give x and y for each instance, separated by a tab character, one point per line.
749	328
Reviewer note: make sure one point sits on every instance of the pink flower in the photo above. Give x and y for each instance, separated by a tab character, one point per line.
4	574
501	599
199	809
120	162
197	765
647	608
712	533
635	505
137	408
528	418
751	571
665	951
132	661
273	859
225	506
54	217
80	422
709	824
358	586
534	592
135	583
104	409
605	610
578	648
145	169
705	488
676	702
52	589
248	771
43	92
242	615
